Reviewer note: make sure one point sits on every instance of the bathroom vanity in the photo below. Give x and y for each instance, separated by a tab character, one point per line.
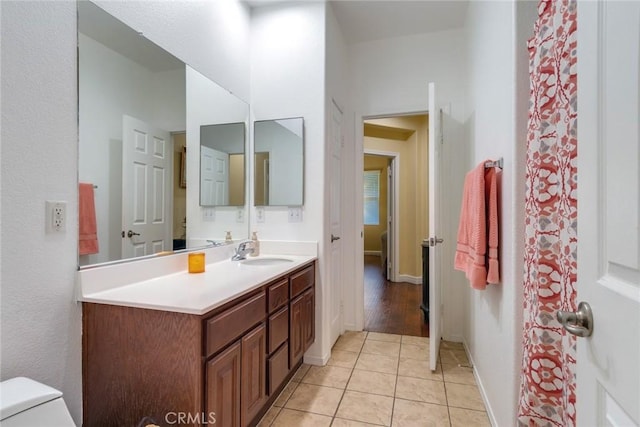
222	361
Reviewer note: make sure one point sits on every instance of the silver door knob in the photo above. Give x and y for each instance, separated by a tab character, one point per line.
131	234
434	241
579	323
334	238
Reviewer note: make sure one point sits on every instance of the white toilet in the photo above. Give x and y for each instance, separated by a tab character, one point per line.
28	403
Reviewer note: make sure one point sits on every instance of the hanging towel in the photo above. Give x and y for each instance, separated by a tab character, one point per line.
88	239
477	248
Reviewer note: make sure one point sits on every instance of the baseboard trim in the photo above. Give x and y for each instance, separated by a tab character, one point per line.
373	253
315	360
416	280
481	388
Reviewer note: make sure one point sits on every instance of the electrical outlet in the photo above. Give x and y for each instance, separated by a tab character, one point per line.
260	214
295	214
56	216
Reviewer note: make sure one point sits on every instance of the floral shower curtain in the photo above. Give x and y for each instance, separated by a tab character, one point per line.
547	391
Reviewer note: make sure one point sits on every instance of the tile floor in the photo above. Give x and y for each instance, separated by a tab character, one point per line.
382	379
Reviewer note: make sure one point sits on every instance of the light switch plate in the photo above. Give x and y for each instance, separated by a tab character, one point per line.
295	214
208	214
259	214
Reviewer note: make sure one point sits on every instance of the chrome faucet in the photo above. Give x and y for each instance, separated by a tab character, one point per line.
245	247
213	243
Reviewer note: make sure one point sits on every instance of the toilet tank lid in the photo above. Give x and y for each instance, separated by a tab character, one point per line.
20	393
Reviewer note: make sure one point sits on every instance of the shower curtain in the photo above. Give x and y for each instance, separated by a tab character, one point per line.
547	390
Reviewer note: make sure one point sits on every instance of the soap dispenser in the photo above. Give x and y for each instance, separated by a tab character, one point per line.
256	244
228	238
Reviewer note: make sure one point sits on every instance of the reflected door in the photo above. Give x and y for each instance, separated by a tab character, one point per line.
147	168
214	177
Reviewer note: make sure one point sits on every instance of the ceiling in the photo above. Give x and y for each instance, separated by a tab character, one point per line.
368	20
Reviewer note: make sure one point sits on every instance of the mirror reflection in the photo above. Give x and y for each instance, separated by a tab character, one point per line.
134	142
279	162
222	165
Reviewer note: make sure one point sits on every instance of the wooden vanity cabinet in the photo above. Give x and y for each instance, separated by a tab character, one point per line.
225	367
302	313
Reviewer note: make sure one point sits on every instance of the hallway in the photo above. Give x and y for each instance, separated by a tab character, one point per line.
392	308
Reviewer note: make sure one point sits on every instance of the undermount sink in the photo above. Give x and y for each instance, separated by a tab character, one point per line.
266	261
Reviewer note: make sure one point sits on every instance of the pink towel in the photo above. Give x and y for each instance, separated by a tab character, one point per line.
477	249
88	237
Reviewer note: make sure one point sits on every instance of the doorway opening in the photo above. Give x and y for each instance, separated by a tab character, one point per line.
395	219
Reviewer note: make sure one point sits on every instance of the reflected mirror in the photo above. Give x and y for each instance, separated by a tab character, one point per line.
222	165
279	162
135	140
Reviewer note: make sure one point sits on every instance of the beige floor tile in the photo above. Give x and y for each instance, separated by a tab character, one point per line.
328	376
286	393
419	369
408	413
377	363
408	339
372	382
453	356
380	347
301	372
458	374
422	390
345	359
467	417
411	351
356	334
341	422
365	407
316	399
268	418
464	396
379	336
350	342
289	418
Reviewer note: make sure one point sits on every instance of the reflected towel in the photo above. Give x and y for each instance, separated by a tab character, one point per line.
477	248
88	237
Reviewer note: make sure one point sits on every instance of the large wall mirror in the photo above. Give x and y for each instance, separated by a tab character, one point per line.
138	123
279	162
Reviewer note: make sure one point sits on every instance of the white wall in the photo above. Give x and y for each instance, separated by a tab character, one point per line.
391	76
41	326
41	330
496	127
287	80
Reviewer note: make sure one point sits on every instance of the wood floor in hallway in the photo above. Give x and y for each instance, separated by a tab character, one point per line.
392	308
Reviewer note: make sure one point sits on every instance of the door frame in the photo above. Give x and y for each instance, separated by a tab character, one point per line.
358	290
395	241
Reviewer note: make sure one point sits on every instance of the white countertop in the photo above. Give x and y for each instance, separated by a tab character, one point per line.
180	291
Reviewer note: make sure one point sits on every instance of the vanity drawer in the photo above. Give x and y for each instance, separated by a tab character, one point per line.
277	368
278	295
278	329
301	280
230	324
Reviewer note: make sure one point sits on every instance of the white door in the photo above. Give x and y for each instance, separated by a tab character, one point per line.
608	362
335	222
147	193
214	177
435	139
390	222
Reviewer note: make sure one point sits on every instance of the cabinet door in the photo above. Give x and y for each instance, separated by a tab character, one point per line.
254	380
223	387
308	315
296	340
